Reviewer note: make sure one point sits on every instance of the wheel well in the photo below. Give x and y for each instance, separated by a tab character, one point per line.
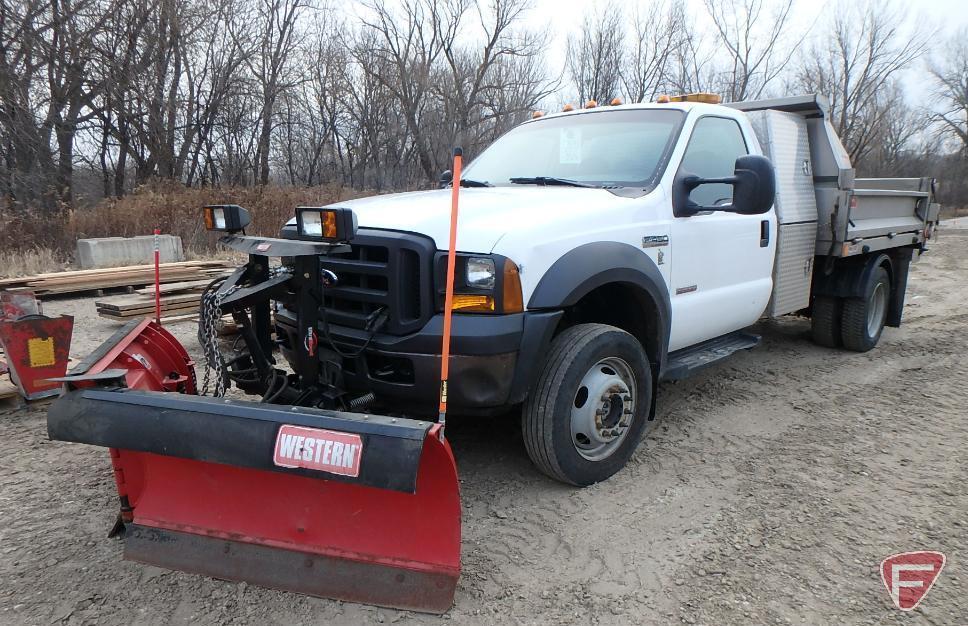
624	306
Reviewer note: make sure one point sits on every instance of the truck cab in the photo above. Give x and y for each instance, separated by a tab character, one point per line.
599	252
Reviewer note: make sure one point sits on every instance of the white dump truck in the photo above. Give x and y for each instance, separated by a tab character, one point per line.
605	249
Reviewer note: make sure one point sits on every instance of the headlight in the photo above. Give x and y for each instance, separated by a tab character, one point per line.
326	224
482	285
480	273
226	217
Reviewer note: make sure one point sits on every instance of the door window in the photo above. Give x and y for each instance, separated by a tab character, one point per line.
715	145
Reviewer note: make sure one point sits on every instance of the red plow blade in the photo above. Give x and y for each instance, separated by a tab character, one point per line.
275	496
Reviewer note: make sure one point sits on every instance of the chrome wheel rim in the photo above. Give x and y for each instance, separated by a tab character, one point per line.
876	310
602	408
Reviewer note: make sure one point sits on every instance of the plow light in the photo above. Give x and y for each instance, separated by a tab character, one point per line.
326	224
229	218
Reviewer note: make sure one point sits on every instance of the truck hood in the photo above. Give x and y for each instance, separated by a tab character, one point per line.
486	213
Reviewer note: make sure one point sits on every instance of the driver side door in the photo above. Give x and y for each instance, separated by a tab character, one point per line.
723	262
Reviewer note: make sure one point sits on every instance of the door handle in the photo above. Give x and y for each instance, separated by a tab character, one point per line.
764	233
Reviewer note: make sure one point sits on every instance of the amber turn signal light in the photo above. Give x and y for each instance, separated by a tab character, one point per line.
470	303
512	299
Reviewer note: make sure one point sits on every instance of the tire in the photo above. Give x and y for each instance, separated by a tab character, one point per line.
862	319
565	435
825	321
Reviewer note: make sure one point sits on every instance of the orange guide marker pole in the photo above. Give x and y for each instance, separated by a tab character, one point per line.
449	293
157	277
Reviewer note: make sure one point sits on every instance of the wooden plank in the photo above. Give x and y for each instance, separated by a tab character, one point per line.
175	287
121	268
123	282
168	275
80	280
130	315
123	303
184	306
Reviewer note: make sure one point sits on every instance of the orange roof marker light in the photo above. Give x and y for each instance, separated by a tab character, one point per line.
567	108
704	97
536	114
662	99
591	104
616	102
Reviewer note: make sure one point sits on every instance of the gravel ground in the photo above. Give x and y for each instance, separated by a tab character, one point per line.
768	493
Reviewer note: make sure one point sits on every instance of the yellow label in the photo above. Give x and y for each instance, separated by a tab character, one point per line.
41	352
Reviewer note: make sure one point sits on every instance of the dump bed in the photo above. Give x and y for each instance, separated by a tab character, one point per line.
854	215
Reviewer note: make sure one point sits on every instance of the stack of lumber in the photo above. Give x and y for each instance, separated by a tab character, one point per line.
112	277
125	308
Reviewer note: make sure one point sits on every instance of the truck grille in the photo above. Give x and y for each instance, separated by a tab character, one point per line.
387	270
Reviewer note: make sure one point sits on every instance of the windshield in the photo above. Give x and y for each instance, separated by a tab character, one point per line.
607	149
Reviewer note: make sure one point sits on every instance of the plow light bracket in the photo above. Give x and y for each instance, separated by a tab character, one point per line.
326	224
229	218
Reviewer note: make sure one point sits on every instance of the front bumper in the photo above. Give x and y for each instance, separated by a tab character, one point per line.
493	360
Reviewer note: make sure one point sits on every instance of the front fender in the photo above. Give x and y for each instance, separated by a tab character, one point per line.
587	267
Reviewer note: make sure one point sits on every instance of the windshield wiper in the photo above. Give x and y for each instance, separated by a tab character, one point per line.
549	180
470	182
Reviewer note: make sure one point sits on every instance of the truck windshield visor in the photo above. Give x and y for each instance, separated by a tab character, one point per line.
606	148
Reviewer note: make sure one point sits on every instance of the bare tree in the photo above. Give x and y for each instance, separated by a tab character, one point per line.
951	77
853	63
656	34
595	54
751	32
272	67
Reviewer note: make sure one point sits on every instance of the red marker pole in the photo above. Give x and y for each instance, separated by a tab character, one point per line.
157	277
449	290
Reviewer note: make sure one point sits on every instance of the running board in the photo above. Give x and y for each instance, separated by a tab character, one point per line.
686	362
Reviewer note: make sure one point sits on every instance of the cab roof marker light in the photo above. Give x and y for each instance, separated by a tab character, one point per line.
703	97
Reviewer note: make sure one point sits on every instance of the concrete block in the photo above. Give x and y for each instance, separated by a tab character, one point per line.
114	251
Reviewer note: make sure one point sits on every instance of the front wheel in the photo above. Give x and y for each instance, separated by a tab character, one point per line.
590	406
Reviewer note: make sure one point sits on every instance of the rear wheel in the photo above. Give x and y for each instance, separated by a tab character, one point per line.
590	405
825	321
862	320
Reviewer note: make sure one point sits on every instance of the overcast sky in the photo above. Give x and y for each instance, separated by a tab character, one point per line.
565	16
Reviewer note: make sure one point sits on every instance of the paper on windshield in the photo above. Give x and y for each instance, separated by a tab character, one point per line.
569	146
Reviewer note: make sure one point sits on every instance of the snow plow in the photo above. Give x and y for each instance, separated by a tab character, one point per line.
302	490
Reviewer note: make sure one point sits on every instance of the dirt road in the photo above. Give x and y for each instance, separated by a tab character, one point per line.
768	493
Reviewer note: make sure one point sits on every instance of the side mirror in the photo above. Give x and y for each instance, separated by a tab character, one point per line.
446	178
753	182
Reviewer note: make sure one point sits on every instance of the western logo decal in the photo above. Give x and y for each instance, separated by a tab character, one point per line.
310	342
318	449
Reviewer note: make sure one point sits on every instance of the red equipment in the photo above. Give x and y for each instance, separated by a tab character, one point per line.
358	507
13	306
37	349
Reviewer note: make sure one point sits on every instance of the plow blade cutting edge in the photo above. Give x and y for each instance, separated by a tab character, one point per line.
362	508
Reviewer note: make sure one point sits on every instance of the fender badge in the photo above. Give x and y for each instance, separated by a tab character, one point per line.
655	241
660	258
